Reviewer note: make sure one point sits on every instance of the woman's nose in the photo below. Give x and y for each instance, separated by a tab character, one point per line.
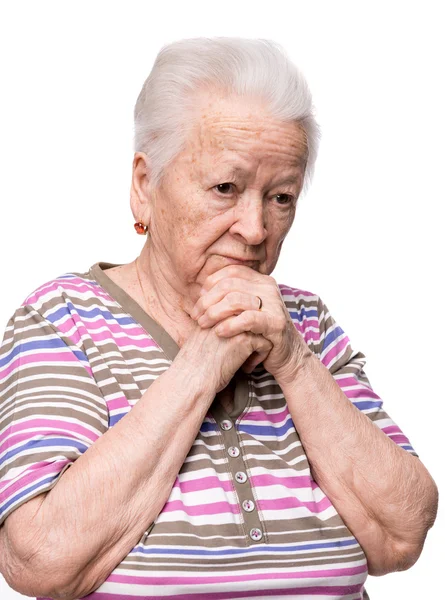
250	222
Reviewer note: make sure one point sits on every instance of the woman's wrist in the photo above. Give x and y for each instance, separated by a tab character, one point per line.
195	376
288	373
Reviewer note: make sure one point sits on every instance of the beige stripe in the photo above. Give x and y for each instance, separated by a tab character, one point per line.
45	408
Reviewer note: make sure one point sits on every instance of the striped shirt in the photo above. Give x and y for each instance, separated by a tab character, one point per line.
245	518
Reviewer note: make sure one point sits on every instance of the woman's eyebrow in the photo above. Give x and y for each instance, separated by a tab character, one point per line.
234	171
292	180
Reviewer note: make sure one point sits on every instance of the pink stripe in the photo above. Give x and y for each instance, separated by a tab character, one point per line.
322	574
81	285
396	434
261	415
66	327
121	342
33	473
66	284
116	327
391	429
45	357
10	437
295	292
292	482
335	350
364	394
299	327
213	508
303	327
352	381
312	336
310	322
334	590
124	341
400	439
203	483
348	381
41	291
292	502
111	328
117	403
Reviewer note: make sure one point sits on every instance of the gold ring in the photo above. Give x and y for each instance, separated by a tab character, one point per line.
260	303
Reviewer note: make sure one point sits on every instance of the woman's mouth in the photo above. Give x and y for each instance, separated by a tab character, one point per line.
241	261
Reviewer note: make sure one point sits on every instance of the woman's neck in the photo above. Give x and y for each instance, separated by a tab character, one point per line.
161	299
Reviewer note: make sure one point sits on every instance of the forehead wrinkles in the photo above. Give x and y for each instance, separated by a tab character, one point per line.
257	136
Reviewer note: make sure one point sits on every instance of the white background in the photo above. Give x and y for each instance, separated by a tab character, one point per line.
368	237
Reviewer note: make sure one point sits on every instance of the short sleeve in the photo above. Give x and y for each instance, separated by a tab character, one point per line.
51	409
347	367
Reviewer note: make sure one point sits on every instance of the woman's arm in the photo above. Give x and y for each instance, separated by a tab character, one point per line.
104	502
385	495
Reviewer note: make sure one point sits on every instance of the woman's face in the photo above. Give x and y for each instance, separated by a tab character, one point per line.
231	194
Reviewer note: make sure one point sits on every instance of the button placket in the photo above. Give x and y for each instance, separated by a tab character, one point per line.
253	527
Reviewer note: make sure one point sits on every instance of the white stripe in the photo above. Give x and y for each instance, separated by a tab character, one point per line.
179	516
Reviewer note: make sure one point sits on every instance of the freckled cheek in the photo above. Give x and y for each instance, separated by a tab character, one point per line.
195	237
186	218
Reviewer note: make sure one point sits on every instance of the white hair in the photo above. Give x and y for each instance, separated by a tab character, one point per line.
166	106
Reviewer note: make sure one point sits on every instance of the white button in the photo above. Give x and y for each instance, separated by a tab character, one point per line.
226	424
240	477
256	534
248	505
233	451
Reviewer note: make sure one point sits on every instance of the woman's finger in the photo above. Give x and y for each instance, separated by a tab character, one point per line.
231	304
258	356
206	301
254	360
232	271
254	321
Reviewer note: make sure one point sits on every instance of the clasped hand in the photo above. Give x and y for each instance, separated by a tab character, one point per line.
229	303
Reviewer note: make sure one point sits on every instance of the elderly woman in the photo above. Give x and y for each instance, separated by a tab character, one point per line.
181	426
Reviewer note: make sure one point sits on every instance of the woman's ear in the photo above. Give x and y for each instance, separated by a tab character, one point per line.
140	197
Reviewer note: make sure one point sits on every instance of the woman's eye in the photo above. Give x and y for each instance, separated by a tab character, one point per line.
282	199
223	185
287	198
